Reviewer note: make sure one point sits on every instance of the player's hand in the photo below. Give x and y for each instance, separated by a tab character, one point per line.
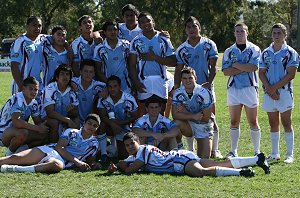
71	124
165	33
97	37
43	128
70	107
83	166
140	87
112	168
150	56
198	116
181	109
116	129
158	136
104	93
275	96
206	85
270	90
96	166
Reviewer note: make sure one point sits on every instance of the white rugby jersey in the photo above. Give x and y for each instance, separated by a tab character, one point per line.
17	104
125	33
250	55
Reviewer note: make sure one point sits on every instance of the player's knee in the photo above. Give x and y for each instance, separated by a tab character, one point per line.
56	166
234	123
21	136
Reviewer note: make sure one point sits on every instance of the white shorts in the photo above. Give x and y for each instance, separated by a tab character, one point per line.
170	81
154	85
202	130
285	102
247	96
51	153
182	158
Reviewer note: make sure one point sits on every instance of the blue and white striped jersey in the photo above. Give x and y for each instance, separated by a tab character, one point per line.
198	57
276	63
125	33
82	49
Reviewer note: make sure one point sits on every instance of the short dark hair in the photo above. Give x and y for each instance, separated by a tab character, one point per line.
93	116
153	99
281	26
193	20
241	24
188	70
109	23
112	78
88	62
30	80
85	17
130	7
56	28
62	67
33	18
132	136
144	14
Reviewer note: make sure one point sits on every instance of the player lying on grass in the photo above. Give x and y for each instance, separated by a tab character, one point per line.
151	159
75	148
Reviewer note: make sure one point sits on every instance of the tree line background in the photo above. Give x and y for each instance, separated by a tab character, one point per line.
217	17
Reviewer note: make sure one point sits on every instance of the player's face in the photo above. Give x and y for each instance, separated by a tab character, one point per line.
111	32
153	109
240	35
87	73
34	28
87	25
63	78
59	37
130	19
146	23
132	147
278	36
113	88
91	126
188	80
30	91
192	30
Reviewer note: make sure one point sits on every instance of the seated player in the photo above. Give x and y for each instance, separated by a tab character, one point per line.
191	109
151	159
60	103
75	148
15	130
155	129
117	112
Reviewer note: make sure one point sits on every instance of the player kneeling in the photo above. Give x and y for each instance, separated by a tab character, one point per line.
75	148
151	159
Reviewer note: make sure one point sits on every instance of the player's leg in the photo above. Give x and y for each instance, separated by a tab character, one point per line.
274	135
13	138
235	116
186	130
204	146
122	153
36	139
50	166
251	114
215	145
102	132
53	130
168	144
289	135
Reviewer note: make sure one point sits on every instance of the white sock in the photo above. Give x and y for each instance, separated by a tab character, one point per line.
30	169
216	141
239	162
234	134
22	148
8	152
289	140
255	137
102	143
223	171
190	143
275	136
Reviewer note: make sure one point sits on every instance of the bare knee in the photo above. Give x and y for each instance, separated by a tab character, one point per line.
56	166
234	123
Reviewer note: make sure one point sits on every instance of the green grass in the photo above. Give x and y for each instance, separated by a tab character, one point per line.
283	181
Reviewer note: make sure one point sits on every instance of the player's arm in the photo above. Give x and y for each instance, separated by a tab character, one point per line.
100	76
61	149
291	72
127	169
179	112
146	133
91	161
248	67
17	122
151	56
177	75
51	113
133	116
16	73
75	68
173	132
212	72
231	71
132	61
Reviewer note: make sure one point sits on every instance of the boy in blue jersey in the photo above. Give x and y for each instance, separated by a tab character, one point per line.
192	111
155	129
149	158
60	103
240	62
55	54
130	28
16	133
117	112
149	54
277	68
111	56
83	46
75	148
87	89
201	54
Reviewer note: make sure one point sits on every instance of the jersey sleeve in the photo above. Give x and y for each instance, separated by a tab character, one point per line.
177	97
75	48
294	59
264	60
139	123
74	98
48	96
213	52
35	110
16	51
255	56
169	47
133	46
96	55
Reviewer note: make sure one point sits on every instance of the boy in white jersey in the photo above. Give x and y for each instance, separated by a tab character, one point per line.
117	112
201	54
191	109
75	148
111	56
277	69
16	133
152	52
151	159
155	129
240	62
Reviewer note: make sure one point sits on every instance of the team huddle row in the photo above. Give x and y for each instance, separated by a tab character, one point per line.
124	80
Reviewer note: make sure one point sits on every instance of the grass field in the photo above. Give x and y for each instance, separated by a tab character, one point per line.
284	179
